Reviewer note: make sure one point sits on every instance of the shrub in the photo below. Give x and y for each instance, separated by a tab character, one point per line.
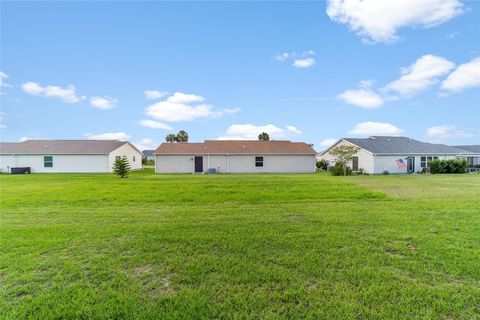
448	166
322	164
385	172
338	170
121	167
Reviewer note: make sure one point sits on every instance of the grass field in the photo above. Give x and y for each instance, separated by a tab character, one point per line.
239	246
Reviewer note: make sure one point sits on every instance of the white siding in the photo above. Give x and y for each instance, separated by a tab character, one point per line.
61	163
236	163
174	164
365	158
388	163
130	152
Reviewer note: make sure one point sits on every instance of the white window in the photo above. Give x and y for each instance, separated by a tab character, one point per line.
425	160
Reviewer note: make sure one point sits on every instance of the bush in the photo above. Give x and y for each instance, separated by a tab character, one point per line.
322	164
386	172
337	170
448	166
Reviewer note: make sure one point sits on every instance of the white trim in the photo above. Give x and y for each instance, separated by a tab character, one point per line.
340	140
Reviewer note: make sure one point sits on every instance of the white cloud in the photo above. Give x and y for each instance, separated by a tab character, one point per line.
379	20
282	57
154	94
184	107
67	95
145	144
4	76
251	132
419	76
23	139
231	110
304	63
104	102
465	76
326	143
364	97
447	131
154	124
108	136
376	128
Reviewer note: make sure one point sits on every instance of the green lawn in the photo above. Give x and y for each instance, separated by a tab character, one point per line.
239	246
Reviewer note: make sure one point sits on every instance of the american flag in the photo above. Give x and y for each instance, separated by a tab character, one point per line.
401	164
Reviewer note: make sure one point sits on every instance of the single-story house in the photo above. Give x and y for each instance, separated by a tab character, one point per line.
57	156
474	160
148	155
378	154
235	156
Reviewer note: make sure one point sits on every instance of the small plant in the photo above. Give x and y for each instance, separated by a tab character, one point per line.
385	172
121	167
339	169
361	171
448	166
322	164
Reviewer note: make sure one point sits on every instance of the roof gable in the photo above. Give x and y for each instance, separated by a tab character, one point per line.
61	147
237	147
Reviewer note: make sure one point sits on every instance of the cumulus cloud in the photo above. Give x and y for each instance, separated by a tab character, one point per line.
421	75
154	94
447	131
326	143
184	107
108	136
364	97
154	124
375	128
67	94
299	60
379	20
145	144
466	76
251	132
4	76
103	102
304	63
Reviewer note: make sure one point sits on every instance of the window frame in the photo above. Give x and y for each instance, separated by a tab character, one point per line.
424	160
48	163
259	161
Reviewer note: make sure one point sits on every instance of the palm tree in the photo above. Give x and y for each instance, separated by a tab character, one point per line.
171	138
263	136
182	136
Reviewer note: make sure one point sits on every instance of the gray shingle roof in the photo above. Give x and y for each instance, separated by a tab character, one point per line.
148	153
60	147
402	145
472	148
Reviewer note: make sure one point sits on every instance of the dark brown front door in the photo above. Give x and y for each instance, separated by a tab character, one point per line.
198	164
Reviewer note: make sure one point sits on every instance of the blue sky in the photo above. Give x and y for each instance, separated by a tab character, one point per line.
304	71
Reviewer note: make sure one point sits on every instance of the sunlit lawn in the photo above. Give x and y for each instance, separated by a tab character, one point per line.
239	246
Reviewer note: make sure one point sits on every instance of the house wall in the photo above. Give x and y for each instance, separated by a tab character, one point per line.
133	155
61	163
387	163
236	163
365	158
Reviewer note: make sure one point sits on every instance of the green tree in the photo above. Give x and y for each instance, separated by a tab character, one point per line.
171	138
263	136
121	167
344	154
182	136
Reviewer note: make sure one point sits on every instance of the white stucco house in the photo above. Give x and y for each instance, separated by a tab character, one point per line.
56	156
377	154
235	156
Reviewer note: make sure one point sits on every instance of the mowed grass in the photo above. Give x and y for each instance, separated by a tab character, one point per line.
239	246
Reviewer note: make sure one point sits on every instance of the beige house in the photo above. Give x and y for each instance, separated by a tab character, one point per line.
235	156
378	154
56	156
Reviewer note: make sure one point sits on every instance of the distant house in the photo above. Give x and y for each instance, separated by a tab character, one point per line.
377	154
148	155
67	155
233	156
